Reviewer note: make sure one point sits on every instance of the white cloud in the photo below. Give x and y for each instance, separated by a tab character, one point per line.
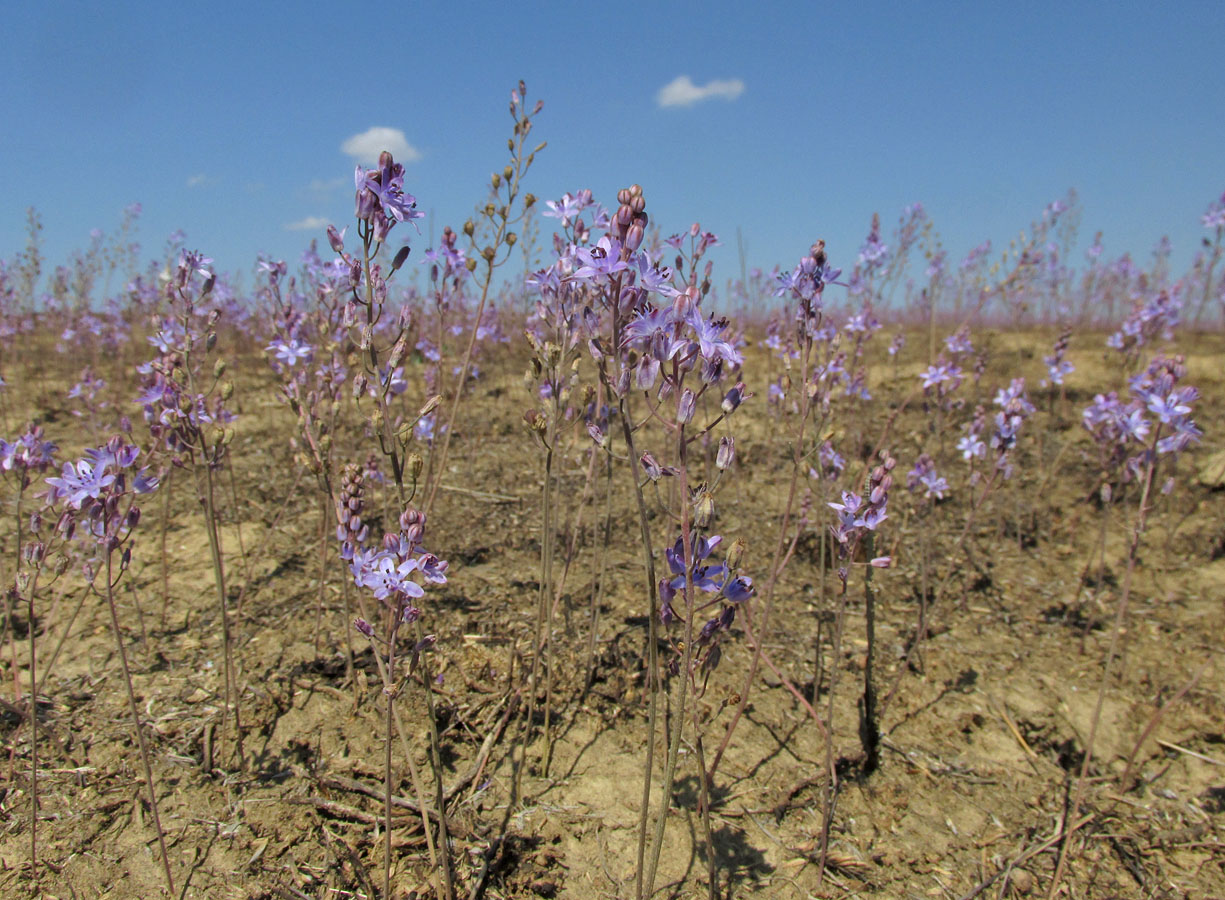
200	180
310	223
366	147
681	91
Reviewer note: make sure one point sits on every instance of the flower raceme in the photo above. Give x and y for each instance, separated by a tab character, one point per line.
99	485
1116	425
380	198
394	570
105	472
858	513
29	452
924	475
712	578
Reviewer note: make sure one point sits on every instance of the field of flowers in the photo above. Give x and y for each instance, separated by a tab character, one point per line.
392	575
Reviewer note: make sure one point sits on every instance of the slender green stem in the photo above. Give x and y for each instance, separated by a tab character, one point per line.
9	626
1111	654
223	602
140	734
869	728
165	527
389	698
33	731
678	710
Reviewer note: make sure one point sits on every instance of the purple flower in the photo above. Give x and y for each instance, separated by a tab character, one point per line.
568	207
711	344
971	446
924	475
29	451
601	261
386	576
382	189
290	353
941	373
705	577
1171	407
80	482
959	341
652	277
738	590
654	470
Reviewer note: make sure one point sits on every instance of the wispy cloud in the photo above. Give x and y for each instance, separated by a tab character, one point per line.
200	180
327	185
310	223
366	147
681	91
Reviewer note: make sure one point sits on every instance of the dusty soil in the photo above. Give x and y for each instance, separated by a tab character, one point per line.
983	736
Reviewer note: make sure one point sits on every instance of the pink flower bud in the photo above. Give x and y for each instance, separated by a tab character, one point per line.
336	239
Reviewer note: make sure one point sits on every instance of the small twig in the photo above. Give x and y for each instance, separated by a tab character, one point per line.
353	785
1154	721
486	746
340	811
1199	756
1026	857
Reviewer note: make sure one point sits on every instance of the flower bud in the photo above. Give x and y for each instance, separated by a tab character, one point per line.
703	508
735	553
651	466
364	627
596	434
336	239
364	204
733	398
622	387
536	422
633	238
685	407
401	257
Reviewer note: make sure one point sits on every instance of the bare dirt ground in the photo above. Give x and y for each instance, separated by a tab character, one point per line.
983	737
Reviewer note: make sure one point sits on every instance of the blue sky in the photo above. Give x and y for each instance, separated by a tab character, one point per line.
228	120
